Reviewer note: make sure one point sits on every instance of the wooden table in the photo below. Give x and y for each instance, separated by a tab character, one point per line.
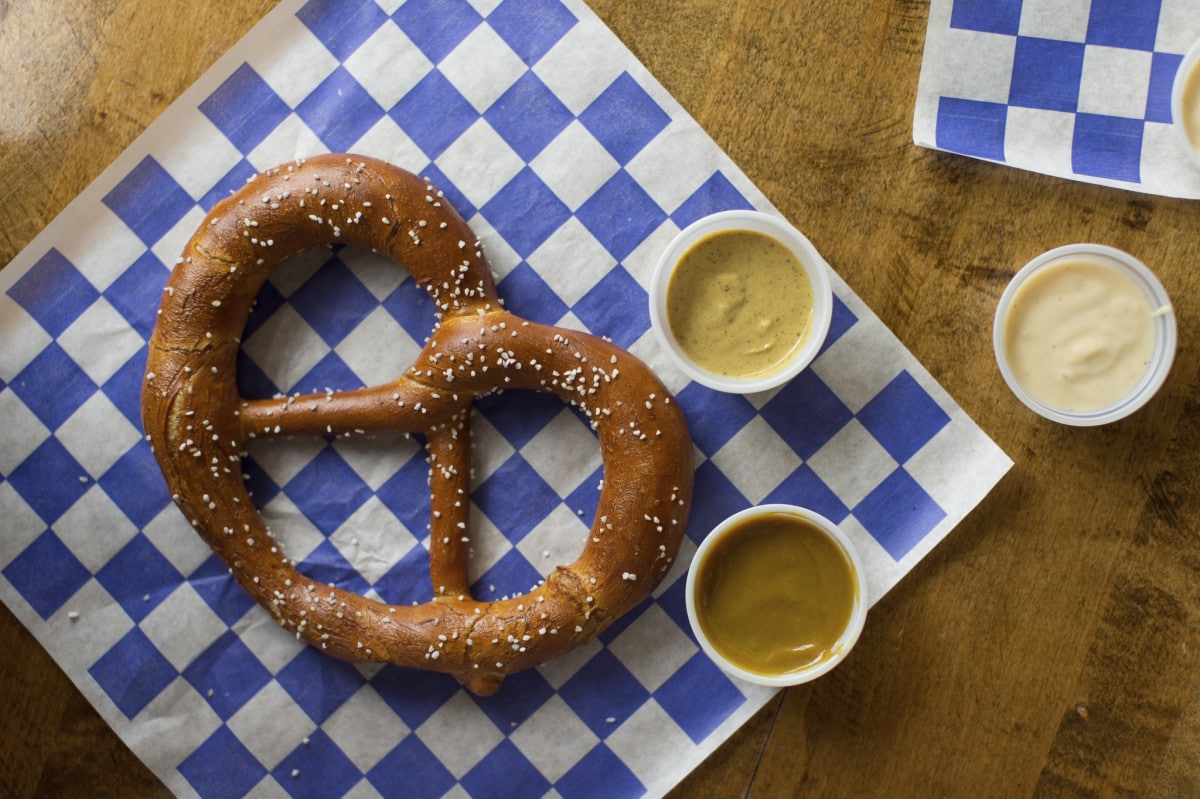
1048	647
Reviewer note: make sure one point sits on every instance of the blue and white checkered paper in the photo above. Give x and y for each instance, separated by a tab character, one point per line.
1079	89
576	168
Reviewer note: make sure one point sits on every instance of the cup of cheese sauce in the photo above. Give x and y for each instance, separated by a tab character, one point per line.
741	301
1185	103
776	595
1084	334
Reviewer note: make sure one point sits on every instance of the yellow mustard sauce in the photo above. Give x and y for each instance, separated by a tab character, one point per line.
1079	335
739	304
774	594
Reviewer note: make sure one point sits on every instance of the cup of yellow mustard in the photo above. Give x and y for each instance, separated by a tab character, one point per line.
741	301
776	595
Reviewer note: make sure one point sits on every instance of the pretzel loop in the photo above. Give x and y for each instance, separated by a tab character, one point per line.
197	424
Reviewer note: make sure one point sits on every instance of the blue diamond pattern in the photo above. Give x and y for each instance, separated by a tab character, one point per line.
617	307
1131	24
512	575
898	513
406	494
677	697
526	294
317	769
222	767
714	195
408	581
135	483
318	683
843	319
903	398
806	414
531	27
624	118
1163	67
505	773
520	415
234	179
411	307
327	490
216	586
333	301
411	770
453	196
52	386
515	498
1046	74
330	371
326	564
54	292
599	771
341	25
603	689
245	109
133	672
713	417
230	671
528	116
414	695
260	485
46	574
621	215
714	499
437	28
586	497
139	577
339	111
149	201
48	480
989	16
802	487
136	293
1107	147
433	133
526	212
972	127
524	692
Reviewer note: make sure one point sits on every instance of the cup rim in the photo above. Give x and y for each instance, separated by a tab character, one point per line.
1165	334
845	642
810	260
1185	68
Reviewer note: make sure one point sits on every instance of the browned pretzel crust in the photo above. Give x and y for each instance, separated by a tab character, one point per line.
197	424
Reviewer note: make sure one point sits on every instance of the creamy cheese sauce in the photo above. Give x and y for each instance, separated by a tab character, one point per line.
739	304
1079	335
775	594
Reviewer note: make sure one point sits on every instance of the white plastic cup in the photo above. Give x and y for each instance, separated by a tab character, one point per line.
806	254
1164	333
1178	112
846	640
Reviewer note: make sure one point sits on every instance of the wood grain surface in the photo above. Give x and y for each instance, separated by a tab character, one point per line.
1049	647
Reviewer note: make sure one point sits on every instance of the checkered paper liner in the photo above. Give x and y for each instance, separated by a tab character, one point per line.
575	168
1079	89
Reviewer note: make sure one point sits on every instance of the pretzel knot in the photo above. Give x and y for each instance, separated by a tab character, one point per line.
197	424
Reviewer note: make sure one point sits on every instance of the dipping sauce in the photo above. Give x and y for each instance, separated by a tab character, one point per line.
1189	102
739	304
774	594
1079	335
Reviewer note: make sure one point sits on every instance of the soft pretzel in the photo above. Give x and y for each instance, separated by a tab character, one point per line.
197	423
